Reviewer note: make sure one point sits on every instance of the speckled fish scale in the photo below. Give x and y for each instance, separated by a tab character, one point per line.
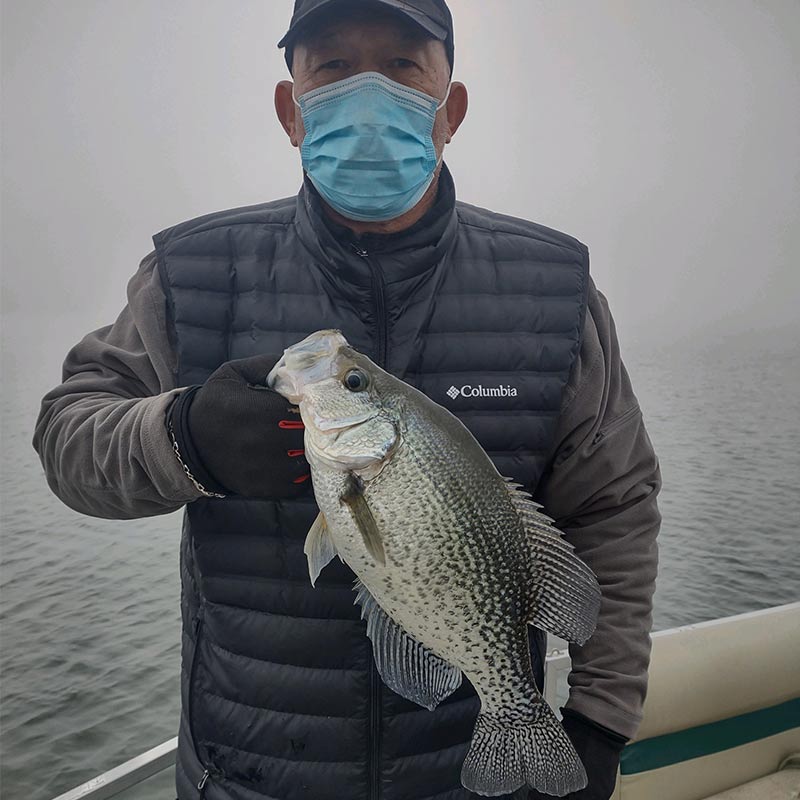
453	560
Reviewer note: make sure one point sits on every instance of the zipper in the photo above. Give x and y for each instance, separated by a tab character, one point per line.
209	771
374	677
615	423
374	729
378	288
201	785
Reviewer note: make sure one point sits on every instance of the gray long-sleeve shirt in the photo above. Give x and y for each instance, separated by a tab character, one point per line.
105	451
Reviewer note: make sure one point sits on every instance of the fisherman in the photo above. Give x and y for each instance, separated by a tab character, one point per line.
493	317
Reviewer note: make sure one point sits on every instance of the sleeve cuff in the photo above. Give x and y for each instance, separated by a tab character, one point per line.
616	719
163	467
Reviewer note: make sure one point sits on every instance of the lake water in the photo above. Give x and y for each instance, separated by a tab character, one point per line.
90	622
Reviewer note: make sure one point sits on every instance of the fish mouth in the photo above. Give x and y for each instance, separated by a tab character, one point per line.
309	361
284	383
334	435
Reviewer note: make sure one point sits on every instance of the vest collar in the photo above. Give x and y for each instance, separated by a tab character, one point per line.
402	256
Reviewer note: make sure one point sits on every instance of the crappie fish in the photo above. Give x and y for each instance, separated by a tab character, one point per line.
453	560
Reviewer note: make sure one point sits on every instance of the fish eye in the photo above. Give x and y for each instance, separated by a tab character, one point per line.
355	380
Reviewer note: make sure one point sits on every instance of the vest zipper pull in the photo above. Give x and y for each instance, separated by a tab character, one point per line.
359	251
201	785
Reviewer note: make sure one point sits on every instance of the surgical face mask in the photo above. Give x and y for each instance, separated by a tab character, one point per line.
368	148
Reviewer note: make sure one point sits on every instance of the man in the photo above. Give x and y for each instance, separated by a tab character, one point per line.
496	318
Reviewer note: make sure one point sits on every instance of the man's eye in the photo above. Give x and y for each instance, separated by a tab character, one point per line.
336	63
402	63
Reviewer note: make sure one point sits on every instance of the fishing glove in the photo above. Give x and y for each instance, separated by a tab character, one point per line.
599	749
237	436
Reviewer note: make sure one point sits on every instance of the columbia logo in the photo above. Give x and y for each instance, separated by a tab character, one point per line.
481	391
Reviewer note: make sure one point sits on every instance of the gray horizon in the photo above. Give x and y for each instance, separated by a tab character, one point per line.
662	136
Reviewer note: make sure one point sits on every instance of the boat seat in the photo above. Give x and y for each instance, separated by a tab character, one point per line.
722	712
778	786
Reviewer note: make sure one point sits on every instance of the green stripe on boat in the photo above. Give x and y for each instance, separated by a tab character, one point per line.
672	748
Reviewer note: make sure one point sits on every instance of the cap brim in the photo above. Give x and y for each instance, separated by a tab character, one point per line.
424	22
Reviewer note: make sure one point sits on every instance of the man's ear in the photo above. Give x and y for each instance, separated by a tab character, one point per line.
456	108
287	111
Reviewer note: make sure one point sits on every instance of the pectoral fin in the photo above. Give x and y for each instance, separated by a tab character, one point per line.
353	498
319	547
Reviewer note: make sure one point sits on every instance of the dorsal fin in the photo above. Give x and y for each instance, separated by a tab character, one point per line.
565	593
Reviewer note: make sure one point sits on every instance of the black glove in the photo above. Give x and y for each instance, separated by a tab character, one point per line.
237	436
599	749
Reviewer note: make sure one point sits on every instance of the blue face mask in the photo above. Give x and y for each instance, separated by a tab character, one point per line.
368	148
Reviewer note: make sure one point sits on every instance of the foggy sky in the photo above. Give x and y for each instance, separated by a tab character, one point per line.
663	135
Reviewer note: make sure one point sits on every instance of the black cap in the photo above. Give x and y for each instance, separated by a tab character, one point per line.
433	16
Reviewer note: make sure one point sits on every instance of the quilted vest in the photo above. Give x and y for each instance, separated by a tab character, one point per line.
482	312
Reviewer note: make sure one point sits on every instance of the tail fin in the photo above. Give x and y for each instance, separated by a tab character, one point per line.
507	753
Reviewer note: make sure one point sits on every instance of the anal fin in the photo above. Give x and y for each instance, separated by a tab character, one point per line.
406	666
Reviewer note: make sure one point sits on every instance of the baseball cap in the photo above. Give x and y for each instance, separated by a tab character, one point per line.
433	16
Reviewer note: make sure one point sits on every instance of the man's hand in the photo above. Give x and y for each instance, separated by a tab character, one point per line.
236	436
599	749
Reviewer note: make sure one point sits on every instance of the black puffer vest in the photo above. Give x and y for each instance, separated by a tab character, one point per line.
483	313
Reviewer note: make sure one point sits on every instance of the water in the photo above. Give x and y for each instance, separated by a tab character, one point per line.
90	622
725	422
